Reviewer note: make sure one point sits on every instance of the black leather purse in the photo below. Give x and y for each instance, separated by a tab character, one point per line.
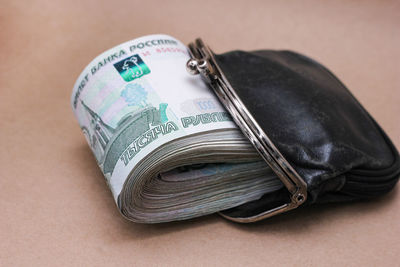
306	125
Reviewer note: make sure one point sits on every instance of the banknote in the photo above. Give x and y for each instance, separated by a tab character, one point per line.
166	146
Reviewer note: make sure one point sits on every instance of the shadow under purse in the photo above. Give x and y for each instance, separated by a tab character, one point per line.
306	125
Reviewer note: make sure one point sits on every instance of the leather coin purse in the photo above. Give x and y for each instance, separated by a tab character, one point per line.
306	125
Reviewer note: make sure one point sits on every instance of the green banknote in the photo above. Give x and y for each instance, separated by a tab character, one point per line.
167	148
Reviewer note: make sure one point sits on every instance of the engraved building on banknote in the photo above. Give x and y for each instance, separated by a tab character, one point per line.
102	132
108	143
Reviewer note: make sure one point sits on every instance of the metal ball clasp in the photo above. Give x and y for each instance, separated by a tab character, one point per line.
192	66
195	66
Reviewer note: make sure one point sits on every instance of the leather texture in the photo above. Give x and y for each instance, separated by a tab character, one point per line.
317	125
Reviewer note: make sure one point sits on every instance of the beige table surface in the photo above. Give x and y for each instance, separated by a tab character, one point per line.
55	208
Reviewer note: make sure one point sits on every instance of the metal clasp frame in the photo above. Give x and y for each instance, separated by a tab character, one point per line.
203	62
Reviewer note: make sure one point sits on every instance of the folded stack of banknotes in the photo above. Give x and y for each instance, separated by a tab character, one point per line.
167	148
